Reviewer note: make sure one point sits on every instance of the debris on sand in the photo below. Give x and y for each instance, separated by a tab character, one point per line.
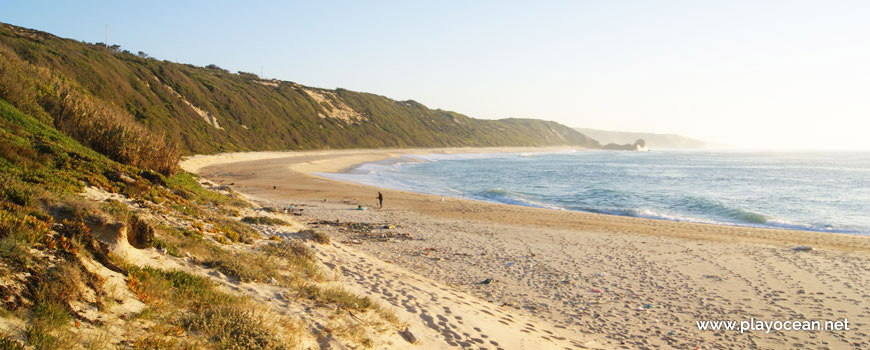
367	231
409	336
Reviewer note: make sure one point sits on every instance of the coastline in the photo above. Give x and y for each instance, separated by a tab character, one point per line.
307	162
634	281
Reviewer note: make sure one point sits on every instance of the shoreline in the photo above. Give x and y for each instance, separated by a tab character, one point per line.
629	282
338	161
401	158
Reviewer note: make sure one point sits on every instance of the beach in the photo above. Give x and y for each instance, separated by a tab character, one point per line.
581	280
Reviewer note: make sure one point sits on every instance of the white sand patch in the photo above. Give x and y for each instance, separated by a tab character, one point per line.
272	83
334	107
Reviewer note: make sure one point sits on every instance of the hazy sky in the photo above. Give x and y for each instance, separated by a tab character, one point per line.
783	74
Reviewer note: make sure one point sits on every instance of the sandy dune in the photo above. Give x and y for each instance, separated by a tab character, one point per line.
617	281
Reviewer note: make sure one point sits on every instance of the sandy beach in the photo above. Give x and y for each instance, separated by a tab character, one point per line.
557	279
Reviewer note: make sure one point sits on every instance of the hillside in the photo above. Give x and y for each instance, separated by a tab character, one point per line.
653	141
209	110
106	243
100	255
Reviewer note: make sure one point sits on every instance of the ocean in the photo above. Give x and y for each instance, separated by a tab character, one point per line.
815	191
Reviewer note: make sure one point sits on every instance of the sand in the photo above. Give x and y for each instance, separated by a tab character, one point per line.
580	279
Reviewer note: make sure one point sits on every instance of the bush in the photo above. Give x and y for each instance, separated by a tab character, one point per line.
16	193
156	286
234	327
58	286
317	236
236	231
290	249
246	267
340	297
102	126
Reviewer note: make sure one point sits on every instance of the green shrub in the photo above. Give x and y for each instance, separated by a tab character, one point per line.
15	192
73	110
290	249
234	327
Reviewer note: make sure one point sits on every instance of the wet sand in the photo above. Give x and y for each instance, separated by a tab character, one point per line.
629	282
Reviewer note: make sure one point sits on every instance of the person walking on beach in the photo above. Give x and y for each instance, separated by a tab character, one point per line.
380	201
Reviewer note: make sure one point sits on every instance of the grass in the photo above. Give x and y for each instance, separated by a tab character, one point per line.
336	296
7	343
52	292
187	186
46	331
235	231
290	249
244	266
17	193
299	259
234	327
264	220
345	300
196	306
159	287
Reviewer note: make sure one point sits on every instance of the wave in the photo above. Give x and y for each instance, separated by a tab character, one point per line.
699	209
783	224
677	189
735	217
547	153
509	197
719	210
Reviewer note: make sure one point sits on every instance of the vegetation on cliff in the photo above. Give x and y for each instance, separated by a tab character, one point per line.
208	109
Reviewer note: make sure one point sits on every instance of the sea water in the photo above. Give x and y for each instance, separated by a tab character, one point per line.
816	191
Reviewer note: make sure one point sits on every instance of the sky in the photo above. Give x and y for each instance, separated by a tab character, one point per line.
757	74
